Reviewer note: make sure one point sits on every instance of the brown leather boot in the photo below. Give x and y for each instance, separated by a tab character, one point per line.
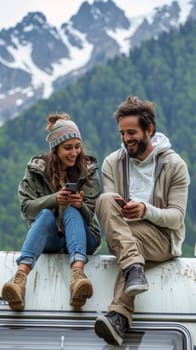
80	287
14	292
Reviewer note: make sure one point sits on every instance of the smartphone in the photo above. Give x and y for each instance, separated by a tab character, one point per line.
121	201
72	187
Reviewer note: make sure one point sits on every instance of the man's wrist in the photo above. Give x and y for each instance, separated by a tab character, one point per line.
144	208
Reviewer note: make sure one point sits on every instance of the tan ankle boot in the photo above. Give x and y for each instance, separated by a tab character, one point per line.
80	287
14	292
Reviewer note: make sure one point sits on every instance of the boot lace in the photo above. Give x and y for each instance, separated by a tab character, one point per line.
20	277
78	274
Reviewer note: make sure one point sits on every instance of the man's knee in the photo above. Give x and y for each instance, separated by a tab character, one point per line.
105	198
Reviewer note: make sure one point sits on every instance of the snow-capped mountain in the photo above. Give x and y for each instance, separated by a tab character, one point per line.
36	59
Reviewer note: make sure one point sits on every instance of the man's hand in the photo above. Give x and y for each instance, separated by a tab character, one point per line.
133	210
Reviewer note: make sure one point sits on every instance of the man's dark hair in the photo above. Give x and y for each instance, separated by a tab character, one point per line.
145	110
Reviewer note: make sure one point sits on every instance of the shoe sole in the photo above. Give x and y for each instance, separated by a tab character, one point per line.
104	329
11	295
136	289
82	291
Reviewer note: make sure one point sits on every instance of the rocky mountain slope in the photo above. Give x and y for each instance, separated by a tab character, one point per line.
36	59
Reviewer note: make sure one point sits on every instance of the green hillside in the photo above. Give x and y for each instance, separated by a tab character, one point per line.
163	71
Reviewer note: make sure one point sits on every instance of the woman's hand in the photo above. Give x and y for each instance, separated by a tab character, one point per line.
65	197
76	199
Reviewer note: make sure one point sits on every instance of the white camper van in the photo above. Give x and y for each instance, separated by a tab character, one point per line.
164	318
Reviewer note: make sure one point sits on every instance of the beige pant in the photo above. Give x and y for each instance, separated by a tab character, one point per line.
131	242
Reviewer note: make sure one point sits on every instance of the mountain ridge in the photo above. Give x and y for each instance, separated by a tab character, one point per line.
36	58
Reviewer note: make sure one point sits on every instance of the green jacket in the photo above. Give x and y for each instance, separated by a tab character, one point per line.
35	193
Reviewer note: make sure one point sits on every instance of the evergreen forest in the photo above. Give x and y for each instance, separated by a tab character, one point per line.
163	71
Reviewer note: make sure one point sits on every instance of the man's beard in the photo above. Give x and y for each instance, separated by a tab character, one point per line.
141	148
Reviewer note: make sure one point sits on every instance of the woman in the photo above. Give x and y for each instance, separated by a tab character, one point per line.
60	221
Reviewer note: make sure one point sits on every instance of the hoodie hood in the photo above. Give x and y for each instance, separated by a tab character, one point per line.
160	143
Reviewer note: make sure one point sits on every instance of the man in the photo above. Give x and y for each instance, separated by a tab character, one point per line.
153	179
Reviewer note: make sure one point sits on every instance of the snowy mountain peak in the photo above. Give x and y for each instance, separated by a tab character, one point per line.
34	19
101	14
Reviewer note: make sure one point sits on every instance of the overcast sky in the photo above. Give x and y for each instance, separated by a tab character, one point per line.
60	11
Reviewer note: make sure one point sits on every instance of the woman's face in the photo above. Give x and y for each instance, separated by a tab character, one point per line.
68	152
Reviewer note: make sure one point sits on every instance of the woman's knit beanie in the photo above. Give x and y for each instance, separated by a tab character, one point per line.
62	131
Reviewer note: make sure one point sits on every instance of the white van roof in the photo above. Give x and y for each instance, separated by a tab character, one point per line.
169	306
172	284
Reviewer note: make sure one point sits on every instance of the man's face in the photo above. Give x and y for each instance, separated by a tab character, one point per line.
137	142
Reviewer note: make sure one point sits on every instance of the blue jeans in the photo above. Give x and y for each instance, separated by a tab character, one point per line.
43	237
